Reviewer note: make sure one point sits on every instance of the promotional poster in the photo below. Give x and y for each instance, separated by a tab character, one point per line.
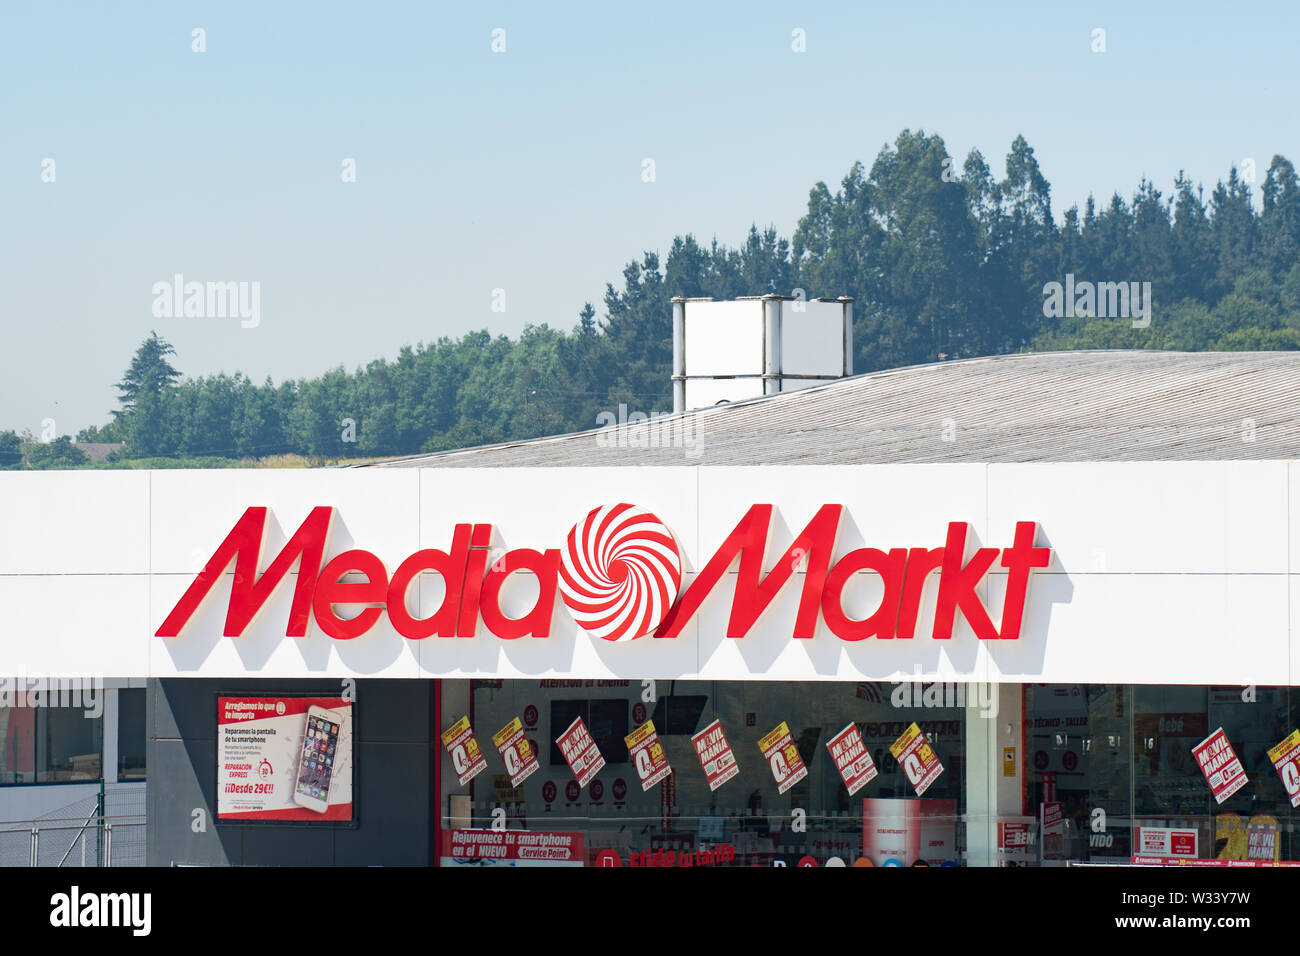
1286	758
647	755
852	759
1219	763
580	752
917	758
716	756
284	758
463	748
783	757
513	746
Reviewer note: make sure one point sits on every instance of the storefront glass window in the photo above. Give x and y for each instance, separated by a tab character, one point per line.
43	744
130	734
1077	759
1119	761
747	820
1256	822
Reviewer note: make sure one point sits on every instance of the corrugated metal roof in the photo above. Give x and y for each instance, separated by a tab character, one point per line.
1054	406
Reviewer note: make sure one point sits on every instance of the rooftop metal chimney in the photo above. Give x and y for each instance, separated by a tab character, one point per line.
757	345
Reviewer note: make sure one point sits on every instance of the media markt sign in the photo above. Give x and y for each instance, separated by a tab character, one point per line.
619	574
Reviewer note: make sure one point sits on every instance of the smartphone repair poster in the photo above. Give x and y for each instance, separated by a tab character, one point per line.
284	758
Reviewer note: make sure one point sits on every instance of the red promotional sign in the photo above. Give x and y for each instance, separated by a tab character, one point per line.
715	755
511	848
284	758
580	750
647	755
1166	841
466	757
1052	825
519	758
718	855
783	757
635	595
1052	815
1218	761
1013	836
917	758
852	758
1286	758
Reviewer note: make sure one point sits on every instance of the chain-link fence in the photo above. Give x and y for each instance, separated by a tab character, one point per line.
99	830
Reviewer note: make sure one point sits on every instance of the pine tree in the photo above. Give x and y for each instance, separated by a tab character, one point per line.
148	374
143	393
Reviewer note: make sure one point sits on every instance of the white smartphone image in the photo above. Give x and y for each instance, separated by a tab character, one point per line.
316	759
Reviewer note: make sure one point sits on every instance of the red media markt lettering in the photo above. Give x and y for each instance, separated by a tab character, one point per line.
473	585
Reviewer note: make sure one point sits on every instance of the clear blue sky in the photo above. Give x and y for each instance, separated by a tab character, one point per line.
522	170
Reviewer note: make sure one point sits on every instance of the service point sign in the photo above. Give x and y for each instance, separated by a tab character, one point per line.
510	848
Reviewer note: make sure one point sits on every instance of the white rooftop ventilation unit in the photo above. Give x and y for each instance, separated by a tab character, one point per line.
757	345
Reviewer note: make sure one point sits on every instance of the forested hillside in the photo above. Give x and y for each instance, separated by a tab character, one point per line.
944	259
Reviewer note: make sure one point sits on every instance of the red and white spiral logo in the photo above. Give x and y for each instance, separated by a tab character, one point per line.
620	572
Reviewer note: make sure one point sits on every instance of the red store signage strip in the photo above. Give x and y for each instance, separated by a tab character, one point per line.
619	577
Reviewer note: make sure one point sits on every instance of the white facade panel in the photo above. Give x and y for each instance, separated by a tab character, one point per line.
74	522
1146	517
59	625
1148	629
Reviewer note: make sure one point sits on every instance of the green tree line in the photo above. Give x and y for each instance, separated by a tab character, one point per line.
944	260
